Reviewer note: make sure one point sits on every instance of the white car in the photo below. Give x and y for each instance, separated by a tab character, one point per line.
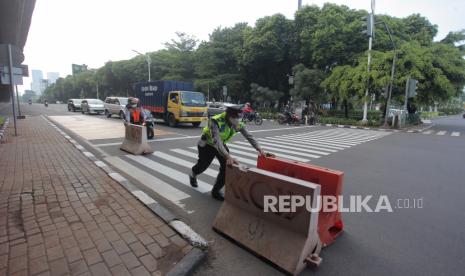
115	105
92	106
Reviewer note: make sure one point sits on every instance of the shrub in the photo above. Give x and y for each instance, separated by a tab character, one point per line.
344	121
375	115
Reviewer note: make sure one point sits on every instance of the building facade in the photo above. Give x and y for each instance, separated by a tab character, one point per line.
37	82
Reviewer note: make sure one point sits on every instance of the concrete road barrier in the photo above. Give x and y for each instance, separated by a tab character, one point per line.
330	224
287	239
135	140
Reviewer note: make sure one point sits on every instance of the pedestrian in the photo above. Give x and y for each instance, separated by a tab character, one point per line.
219	131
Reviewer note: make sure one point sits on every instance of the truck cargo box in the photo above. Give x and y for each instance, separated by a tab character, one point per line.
153	95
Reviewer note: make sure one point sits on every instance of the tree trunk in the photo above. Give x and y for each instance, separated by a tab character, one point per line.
346	109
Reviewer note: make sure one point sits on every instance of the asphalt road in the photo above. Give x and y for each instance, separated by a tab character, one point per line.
405	167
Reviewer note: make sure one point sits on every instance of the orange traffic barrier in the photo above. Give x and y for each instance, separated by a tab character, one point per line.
289	239
330	224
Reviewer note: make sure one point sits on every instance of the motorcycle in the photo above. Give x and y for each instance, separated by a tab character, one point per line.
149	124
292	118
253	116
29	102
46	104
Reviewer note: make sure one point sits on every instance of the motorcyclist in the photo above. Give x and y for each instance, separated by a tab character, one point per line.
46	103
134	113
247	110
288	113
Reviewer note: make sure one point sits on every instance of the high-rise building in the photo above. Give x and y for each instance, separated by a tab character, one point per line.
36	85
43	86
52	77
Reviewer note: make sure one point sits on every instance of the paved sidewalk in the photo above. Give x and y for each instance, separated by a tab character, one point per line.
62	215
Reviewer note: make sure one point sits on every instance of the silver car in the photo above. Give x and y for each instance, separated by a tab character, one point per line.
115	105
92	106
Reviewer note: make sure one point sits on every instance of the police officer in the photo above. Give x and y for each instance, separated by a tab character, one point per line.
220	129
134	113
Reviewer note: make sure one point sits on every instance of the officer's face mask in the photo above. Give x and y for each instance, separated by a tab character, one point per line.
134	105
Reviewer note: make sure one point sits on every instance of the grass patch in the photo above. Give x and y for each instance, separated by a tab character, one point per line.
2	119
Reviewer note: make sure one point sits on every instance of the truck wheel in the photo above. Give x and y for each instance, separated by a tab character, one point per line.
196	124
172	120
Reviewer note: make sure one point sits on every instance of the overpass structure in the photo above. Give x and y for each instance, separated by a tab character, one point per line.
15	20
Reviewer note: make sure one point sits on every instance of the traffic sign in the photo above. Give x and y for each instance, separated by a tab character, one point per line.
17	75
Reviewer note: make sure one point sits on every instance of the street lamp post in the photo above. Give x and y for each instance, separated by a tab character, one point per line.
147	56
370	43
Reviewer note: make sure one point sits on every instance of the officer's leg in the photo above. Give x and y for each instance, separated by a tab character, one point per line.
206	155
221	178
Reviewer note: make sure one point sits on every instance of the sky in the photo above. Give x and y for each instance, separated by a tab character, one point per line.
93	32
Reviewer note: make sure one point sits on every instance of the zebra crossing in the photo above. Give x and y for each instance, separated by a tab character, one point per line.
166	171
442	133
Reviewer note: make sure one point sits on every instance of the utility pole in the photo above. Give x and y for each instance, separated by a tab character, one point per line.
12	85
299	5
370	43
97	91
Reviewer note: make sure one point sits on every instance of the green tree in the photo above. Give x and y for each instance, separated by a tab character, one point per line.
266	52
307	84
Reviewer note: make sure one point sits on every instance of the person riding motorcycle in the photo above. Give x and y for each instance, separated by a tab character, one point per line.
134	113
288	113
247	110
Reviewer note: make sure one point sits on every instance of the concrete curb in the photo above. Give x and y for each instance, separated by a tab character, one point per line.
3	128
189	262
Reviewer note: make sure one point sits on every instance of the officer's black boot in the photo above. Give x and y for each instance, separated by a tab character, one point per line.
216	191
193	180
218	195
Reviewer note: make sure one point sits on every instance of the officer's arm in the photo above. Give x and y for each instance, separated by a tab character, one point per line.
250	138
217	140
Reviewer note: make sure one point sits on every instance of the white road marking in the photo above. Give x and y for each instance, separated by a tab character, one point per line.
441	132
274	149
294	148
192	155
340	136
315	143
334	136
182	162
455	133
180	177
241	159
428	132
157	185
275	153
299	146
